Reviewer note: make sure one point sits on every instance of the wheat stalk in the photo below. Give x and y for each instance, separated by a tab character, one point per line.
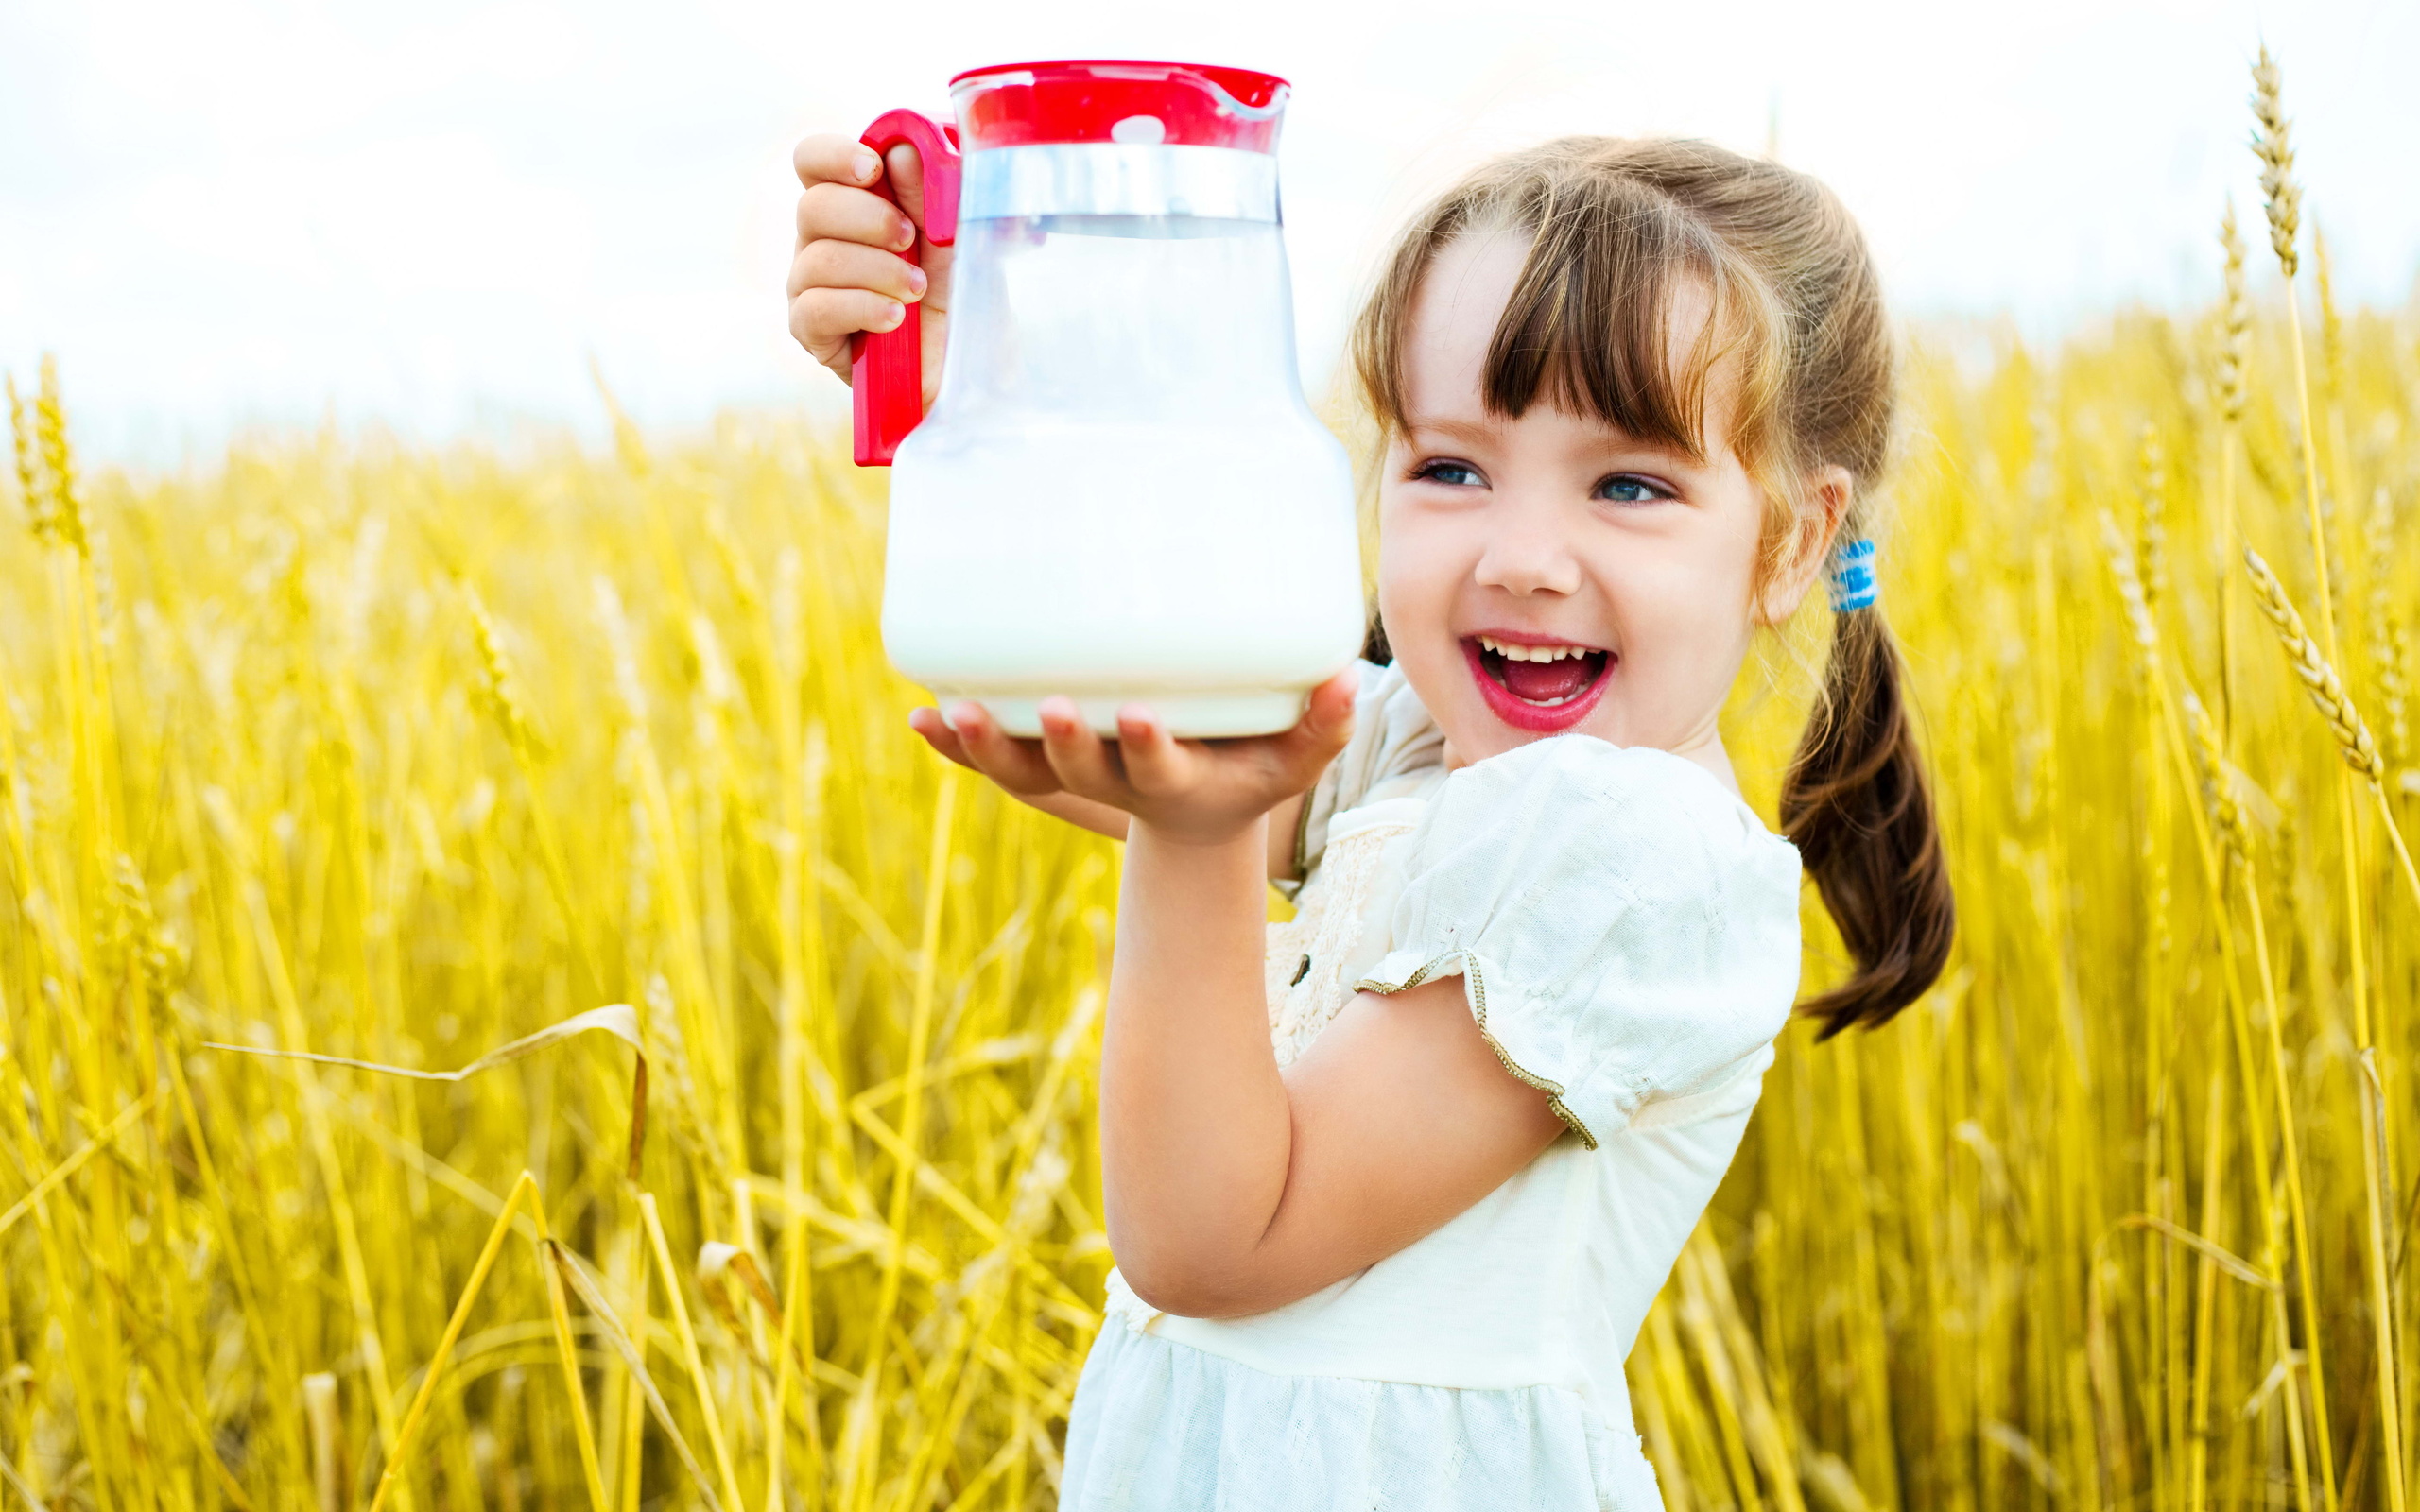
2388	649
496	678
21	432
2151	536
2331	320
2282	198
65	516
2234	346
2236	316
2328	694
2272	144
2218	782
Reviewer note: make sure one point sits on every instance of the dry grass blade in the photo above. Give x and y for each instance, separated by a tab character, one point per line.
525	1189
567	1356
17	1484
616	1018
699	1380
2235	1265
619	1019
584	1286
75	1163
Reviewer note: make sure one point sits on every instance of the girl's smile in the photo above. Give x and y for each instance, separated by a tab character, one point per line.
1540	684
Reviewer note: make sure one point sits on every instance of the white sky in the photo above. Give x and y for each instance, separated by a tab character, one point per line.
429	215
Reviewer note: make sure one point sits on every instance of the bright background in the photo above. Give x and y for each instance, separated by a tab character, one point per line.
431	215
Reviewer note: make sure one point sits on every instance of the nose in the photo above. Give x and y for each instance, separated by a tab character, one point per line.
1528	551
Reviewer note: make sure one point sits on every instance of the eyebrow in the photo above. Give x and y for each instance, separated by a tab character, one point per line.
1475	431
1459	429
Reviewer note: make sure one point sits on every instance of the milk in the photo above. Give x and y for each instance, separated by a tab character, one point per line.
1120	494
1140	564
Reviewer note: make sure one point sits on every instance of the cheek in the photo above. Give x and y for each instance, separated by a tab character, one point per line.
1416	569
1694	597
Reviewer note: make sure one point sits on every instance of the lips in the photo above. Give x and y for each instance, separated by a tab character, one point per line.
1534	686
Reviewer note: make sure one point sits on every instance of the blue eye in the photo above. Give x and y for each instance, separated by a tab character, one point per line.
1453	474
1624	488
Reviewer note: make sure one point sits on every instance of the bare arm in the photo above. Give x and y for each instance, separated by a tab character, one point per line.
1232	1188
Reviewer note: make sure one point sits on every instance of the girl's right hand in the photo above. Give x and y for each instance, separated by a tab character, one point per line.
1192	791
847	275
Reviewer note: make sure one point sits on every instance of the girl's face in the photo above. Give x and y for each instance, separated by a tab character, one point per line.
1551	573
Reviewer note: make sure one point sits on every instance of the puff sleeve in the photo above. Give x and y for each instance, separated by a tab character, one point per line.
1626	928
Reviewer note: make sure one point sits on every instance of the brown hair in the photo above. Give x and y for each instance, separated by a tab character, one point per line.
1616	229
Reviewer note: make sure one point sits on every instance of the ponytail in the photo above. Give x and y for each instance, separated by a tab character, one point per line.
1857	805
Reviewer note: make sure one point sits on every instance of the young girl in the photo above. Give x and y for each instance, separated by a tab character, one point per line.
1392	1185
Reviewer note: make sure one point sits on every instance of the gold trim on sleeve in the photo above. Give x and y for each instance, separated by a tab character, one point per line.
1475	993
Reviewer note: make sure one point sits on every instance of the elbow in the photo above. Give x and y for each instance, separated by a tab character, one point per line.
1187	1288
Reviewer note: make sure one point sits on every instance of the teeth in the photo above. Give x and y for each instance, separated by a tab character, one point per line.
1532	653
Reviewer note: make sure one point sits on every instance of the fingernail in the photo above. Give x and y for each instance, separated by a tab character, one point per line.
906	235
865	162
916	281
961	716
892	314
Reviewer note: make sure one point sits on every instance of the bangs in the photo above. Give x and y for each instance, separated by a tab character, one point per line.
1590	325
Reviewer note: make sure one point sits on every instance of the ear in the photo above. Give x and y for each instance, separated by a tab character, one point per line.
1814	524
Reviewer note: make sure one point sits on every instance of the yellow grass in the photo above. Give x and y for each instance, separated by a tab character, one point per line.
399	756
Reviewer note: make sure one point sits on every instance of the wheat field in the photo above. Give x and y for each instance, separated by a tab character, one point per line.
769	1176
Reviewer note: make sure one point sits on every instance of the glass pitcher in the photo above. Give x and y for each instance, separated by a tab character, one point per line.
1119	493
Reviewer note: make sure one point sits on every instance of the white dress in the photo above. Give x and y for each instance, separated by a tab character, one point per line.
1627	931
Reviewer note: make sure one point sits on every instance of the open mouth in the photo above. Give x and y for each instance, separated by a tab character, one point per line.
1537	686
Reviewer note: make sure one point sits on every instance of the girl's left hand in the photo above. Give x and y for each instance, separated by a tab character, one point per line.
1194	791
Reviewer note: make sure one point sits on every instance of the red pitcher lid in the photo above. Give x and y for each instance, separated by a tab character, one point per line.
1016	105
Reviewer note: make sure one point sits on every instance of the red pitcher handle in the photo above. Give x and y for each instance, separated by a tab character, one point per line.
886	367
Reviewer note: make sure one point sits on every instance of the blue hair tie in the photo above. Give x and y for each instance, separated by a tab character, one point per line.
1850	576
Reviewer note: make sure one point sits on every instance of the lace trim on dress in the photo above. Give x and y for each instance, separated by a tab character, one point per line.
1305	970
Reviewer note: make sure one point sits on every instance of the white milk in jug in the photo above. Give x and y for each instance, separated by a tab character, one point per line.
1120	494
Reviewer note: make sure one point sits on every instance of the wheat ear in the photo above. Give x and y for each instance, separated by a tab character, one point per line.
2274	144
2335	705
2217	782
2237	341
2319	680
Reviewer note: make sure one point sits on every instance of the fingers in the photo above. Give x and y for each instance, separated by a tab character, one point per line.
827	157
1326	723
1079	758
1018	766
1320	734
930	724
838	213
906	168
1156	763
837	264
824	319
847	276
